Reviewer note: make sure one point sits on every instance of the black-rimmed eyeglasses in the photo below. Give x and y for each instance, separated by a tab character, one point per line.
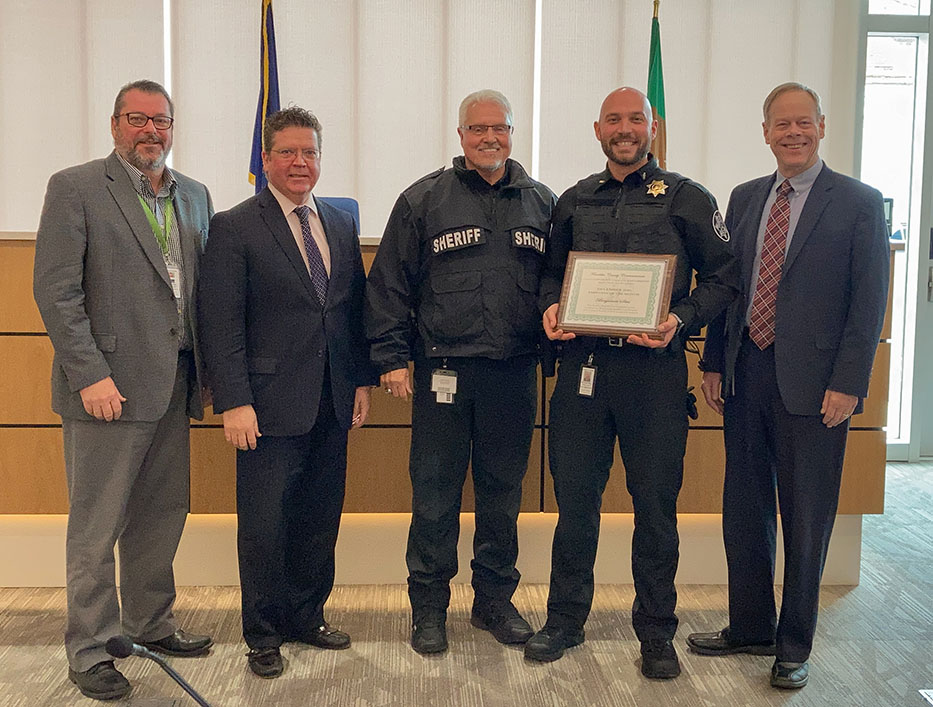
139	120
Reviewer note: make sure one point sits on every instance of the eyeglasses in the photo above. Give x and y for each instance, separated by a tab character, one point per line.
288	154
481	130
139	120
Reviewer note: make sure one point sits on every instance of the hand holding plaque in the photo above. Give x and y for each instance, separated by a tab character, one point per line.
616	294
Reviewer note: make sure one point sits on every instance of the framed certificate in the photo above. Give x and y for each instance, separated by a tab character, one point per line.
615	294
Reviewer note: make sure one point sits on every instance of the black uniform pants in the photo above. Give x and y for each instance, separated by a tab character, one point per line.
767	447
489	423
289	495
640	401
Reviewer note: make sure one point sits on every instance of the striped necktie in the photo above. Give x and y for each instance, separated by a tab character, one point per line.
315	261
761	321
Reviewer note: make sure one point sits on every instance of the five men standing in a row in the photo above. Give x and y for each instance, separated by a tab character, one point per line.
277	326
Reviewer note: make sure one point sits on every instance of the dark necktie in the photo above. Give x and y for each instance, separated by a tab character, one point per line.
315	261
761	321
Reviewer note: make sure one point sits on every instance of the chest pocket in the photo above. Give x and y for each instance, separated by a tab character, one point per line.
647	228
456	313
594	227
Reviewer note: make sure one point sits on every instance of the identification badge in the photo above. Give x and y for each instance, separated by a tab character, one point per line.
174	276
444	384
587	379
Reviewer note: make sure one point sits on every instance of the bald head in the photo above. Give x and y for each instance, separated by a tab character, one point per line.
625	130
626	95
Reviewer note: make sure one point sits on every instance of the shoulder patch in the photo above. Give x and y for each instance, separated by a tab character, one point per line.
719	226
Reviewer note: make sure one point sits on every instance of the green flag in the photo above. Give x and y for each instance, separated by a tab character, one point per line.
656	90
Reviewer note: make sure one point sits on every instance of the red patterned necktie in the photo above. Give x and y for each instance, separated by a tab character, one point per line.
761	321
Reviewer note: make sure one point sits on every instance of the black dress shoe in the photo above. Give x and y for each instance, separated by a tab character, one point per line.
721	643
550	642
265	662
789	676
324	636
101	681
429	634
659	660
180	644
503	622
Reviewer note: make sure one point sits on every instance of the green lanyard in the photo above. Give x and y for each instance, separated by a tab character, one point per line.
158	231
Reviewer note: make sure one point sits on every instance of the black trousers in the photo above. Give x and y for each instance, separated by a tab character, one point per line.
640	400
489	424
767	447
289	498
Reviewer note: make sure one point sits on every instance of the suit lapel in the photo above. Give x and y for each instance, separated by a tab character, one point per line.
128	201
330	233
275	220
753	224
817	200
190	238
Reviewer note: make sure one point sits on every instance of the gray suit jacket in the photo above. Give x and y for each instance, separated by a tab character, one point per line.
104	292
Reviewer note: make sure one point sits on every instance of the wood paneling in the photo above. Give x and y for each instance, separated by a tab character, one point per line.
876	404
32	468
32	471
19	312
213	472
704	467
377	473
863	473
25	392
889	308
702	486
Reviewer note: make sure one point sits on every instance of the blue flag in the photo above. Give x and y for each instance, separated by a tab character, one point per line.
268	93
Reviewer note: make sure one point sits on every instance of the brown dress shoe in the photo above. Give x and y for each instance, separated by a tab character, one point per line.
101	681
180	644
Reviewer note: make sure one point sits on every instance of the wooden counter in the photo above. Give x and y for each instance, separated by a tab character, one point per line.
32	475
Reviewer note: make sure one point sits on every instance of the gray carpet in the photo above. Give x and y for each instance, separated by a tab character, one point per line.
874	643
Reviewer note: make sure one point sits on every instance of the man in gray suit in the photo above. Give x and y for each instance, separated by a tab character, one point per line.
116	263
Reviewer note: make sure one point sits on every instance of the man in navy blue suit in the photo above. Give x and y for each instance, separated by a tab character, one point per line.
280	302
787	365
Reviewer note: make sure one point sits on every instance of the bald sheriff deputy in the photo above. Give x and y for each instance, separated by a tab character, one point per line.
463	250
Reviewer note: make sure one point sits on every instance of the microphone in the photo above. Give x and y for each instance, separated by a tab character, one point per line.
124	647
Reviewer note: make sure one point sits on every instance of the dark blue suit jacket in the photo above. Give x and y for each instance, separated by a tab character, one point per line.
831	298
266	336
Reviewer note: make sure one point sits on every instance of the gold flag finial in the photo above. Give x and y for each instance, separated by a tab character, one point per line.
656	4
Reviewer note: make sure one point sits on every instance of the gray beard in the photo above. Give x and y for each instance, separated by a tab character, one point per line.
144	165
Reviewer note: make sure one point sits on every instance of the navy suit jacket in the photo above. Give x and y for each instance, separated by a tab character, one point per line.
832	295
265	335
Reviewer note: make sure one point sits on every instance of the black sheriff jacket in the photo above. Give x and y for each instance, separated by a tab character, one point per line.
458	268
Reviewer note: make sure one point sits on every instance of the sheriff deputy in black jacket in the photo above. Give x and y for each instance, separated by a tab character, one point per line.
462	252
631	389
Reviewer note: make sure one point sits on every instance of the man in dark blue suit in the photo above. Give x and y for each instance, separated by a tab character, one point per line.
787	365
280	301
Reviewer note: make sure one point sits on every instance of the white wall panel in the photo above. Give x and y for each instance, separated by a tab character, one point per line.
490	44
685	47
386	78
61	64
215	85
581	63
402	94
317	54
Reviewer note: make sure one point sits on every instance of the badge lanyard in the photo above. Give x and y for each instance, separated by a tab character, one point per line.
158	231
161	234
